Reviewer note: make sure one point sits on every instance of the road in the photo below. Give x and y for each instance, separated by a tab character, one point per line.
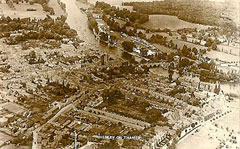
36	131
69	105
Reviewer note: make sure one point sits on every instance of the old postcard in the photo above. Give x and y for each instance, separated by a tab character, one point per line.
119	74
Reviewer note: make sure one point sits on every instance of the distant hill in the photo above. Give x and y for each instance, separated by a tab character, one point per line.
204	12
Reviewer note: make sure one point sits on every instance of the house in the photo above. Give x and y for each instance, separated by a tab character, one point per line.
102	26
149	53
129	122
160	139
137	50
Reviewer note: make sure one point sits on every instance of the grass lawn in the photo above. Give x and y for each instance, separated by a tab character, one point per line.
170	22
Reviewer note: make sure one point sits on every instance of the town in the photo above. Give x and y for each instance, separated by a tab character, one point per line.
95	74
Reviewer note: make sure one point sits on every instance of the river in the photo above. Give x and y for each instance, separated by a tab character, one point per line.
78	21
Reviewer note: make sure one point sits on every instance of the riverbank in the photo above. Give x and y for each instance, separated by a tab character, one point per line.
221	132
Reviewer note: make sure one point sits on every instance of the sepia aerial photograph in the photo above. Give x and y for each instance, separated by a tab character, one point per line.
119	74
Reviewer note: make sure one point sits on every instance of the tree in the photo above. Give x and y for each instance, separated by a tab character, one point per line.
178	82
184	62
115	26
196	103
141	35
228	35
205	65
103	37
183	37
128	46
180	71
193	125
32	55
195	51
217	89
208	42
185	51
113	39
128	57
170	74
112	95
143	18
214	45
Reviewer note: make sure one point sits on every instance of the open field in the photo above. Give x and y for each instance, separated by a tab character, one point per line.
170	22
21	11
164	49
181	43
222	56
163	72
